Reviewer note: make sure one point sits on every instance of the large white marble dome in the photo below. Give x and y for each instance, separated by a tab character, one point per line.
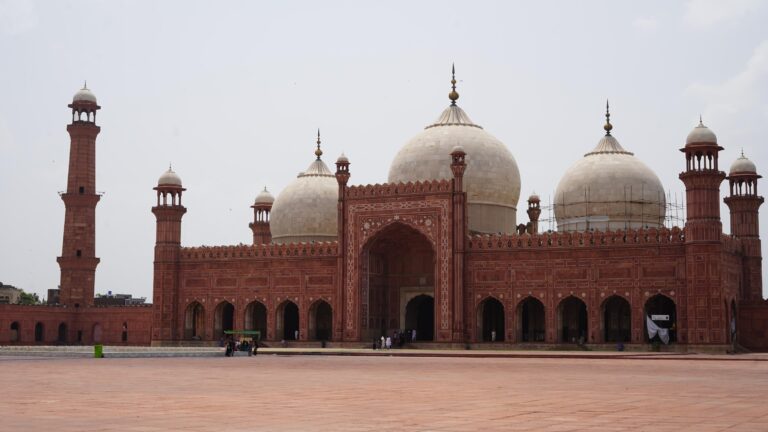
491	179
306	210
609	189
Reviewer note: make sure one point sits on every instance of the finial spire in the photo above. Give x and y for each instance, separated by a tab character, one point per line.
170	166
318	152
85	84
453	95
608	126
742	153
701	122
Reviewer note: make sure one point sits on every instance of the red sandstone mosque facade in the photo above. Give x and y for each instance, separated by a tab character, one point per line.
436	249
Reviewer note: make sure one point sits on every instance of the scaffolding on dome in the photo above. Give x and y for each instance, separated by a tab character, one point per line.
674	205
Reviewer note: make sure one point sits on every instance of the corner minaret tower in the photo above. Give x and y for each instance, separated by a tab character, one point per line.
703	241
702	178
165	288
744	204
78	253
260	225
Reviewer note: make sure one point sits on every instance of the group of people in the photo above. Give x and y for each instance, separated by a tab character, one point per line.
233	346
398	338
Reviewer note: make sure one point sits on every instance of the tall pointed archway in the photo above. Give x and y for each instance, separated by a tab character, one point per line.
398	284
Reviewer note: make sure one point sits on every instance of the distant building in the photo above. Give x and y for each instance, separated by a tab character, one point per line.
110	299
9	294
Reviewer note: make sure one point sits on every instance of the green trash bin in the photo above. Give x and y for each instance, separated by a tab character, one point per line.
98	351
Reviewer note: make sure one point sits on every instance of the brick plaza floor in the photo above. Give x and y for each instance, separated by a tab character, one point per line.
336	393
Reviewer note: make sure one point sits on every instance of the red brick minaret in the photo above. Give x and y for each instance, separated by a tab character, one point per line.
260	225
78	253
702	299
342	178
458	167
168	211
744	204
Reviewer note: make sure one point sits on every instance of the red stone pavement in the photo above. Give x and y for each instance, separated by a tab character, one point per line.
336	393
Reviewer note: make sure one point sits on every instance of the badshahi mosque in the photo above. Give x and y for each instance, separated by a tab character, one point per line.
444	249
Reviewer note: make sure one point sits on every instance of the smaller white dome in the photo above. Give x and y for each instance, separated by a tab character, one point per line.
701	134
342	159
742	165
458	149
84	94
169	178
264	197
534	197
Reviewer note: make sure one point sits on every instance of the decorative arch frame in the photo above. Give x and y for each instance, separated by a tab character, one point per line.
366	221
519	316
478	310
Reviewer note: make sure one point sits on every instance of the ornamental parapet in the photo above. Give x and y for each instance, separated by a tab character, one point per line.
397	189
577	239
272	250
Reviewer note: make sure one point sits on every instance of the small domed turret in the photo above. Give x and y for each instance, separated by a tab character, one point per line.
701	135
342	159
264	197
84	95
169	178
742	165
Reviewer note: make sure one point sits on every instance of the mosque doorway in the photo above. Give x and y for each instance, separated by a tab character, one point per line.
15	332
531	313
256	318
490	323
288	321
397	284
223	319
39	332
194	320
573	320
662	312
320	321
62	336
420	316
616	319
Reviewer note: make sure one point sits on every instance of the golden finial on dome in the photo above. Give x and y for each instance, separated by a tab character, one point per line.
453	95
318	152
608	126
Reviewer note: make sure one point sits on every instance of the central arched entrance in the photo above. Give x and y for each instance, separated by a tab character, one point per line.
573	320
194	320
223	319
62	336
320	321
398	284
39	332
490	320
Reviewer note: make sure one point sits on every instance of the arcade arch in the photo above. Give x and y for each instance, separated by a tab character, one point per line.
223	319
617	319
490	320
531	327
39	332
256	318
194	321
320	321
663	312
287	321
572	313
15	332
62	334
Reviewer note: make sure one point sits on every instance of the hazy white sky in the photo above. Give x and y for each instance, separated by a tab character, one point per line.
233	92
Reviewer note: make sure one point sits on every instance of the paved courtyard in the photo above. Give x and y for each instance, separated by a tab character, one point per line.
337	393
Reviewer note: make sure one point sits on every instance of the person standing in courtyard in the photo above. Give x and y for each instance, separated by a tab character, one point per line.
413	335
389	342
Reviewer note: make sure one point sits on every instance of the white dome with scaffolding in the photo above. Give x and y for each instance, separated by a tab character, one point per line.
609	189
